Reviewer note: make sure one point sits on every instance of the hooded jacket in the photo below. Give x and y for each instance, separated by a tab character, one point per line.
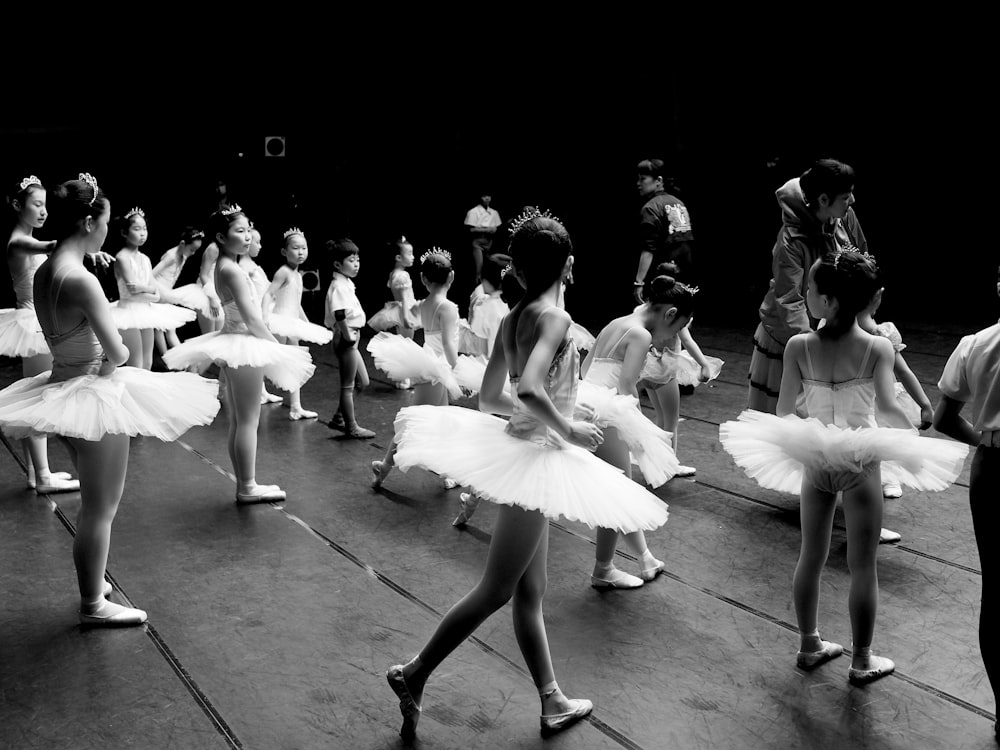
802	240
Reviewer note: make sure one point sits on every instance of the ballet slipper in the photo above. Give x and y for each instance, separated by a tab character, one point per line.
55	475
469	504
379	473
108	589
337	423
880	667
448	483
809	660
615	579
404	385
685	471
648	574
262	493
887	536
112	615
552	723
269	398
892	490
357	432
297	414
56	484
407	706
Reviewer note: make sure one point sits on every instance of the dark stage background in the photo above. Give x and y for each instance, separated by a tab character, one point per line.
386	157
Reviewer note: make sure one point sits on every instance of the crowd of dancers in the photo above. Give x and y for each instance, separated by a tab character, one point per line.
556	435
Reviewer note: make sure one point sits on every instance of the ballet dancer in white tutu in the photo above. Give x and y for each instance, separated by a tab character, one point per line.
20	333
400	314
537	466
88	398
245	350
139	311
166	273
283	311
842	374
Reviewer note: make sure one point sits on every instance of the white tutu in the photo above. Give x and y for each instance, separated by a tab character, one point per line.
469	372
680	367
468	341
775	450
150	315
390	316
191	296
905	402
129	401
583	338
20	333
648	444
288	367
557	480
294	328
402	358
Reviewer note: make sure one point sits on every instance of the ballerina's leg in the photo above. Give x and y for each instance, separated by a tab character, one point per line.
243	385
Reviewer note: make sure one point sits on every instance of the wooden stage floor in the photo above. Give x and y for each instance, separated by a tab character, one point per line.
271	626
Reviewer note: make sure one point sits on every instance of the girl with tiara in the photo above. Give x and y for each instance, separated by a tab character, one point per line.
536	467
436	370
288	321
20	333
245	351
486	309
90	400
843	373
399	313
138	310
166	273
667	367
258	277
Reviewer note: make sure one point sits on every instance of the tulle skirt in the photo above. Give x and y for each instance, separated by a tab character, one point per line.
150	315
556	479
680	367
191	296
390	316
648	444
469	342
402	358
583	338
778	451
20	333
129	401
294	328
288	367
905	402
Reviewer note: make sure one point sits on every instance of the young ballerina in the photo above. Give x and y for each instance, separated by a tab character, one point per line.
166	273
245	351
613	366
139	310
399	313
345	316
843	373
667	367
909	394
288	321
90	401
487	308
436	370
258	277
535	467
20	333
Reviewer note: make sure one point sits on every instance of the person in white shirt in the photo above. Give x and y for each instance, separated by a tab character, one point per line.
482	222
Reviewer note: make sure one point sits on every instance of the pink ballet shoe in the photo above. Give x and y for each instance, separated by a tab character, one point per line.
880	667
269	398
887	536
648	574
809	660
552	723
262	493
123	617
297	414
56	484
469	504
62	475
684	472
407	706
615	579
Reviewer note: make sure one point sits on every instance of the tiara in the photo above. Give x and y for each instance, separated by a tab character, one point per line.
135	212
29	181
689	289
529	215
435	251
92	181
230	210
852	249
289	232
509	268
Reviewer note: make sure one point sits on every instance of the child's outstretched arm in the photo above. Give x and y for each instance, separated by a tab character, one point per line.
885	393
791	376
30	246
905	376
688	342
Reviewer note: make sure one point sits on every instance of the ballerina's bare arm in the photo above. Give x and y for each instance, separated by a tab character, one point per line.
636	347
885	392
278	282
692	348
949	421
29	246
493	395
145	292
791	375
550	332
448	316
208	260
912	386
233	280
83	292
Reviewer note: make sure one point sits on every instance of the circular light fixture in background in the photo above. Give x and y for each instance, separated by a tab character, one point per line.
310	281
274	145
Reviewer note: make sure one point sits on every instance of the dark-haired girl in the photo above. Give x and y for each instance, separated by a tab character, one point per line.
535	467
88	398
843	373
166	272
246	351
